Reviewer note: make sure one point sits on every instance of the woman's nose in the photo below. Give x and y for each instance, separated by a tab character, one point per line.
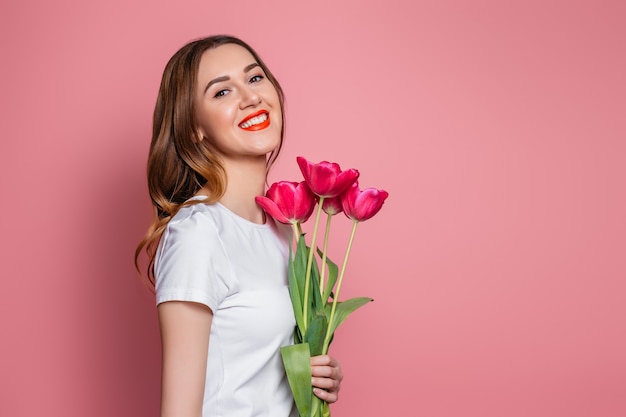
249	97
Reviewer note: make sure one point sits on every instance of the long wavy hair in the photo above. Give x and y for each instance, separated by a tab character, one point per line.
179	162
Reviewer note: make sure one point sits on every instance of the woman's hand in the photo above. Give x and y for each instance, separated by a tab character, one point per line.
327	377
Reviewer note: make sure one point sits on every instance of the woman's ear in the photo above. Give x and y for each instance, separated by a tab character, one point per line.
199	135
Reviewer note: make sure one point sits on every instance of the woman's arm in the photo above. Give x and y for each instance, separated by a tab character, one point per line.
327	377
185	328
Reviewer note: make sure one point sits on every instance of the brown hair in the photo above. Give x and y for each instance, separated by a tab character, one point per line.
179	162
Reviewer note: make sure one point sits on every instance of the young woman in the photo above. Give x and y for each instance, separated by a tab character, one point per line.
218	263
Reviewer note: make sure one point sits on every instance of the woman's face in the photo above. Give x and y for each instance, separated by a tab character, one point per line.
237	107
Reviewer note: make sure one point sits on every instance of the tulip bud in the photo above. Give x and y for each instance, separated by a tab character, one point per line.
326	179
288	202
362	205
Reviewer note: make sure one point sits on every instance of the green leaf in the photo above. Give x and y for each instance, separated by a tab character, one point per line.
301	259
297	294
333	271
297	336
325	409
298	265
316	407
297	361
316	332
317	303
320	408
344	309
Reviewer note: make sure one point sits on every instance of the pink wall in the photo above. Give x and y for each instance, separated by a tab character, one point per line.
498	263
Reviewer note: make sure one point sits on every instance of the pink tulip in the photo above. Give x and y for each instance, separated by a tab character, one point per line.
326	179
361	205
288	202
332	205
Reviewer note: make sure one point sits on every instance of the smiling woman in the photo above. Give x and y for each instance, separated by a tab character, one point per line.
239	110
217	263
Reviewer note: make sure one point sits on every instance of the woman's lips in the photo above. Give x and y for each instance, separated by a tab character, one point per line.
256	121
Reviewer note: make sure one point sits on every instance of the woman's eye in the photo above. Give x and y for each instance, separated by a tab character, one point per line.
256	78
220	93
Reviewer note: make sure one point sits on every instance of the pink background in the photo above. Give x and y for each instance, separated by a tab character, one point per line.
498	263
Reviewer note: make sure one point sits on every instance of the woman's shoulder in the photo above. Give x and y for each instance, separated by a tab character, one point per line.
191	208
192	221
192	230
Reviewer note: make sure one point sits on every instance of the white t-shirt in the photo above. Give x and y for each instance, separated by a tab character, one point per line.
210	255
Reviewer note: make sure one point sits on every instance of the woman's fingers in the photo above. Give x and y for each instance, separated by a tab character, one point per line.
329	397
327	377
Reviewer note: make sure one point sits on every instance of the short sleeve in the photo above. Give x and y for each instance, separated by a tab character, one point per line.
191	264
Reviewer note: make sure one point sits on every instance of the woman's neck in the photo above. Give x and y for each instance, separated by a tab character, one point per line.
245	179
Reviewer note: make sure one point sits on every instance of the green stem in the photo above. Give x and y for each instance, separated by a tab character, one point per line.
336	297
297	230
307	279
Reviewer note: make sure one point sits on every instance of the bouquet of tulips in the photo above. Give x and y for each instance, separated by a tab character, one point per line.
314	289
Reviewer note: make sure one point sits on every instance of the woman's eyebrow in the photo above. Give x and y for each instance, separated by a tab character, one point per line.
248	68
216	80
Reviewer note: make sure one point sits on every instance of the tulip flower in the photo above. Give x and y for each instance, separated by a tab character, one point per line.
362	205
326	179
288	202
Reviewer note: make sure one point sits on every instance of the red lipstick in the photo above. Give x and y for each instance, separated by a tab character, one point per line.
245	124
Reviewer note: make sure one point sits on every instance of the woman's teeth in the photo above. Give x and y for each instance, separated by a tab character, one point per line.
254	121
